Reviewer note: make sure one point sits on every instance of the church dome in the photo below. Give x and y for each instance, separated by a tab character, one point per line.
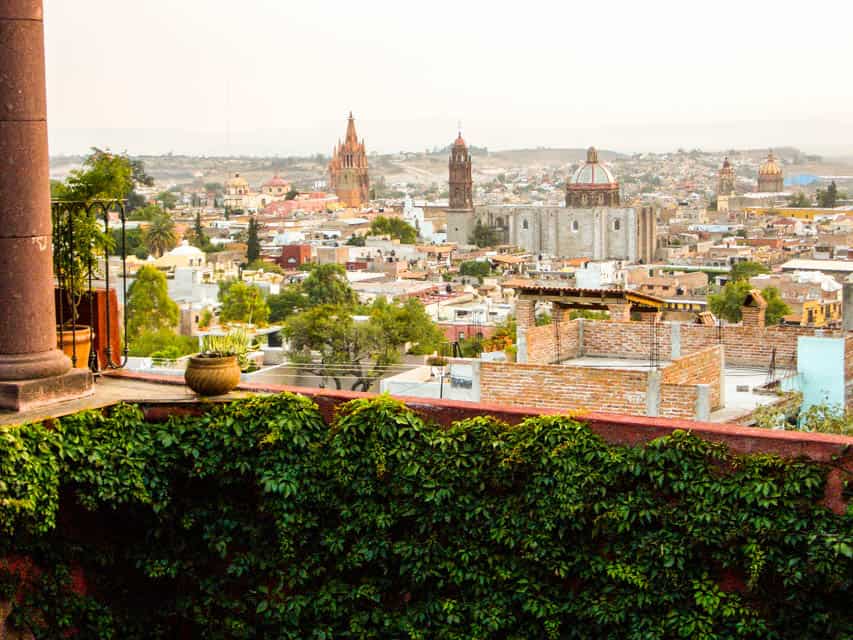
770	167
276	181
236	181
592	172
460	141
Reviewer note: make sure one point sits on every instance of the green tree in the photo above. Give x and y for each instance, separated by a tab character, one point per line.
160	235
327	340
328	284
728	302
291	195
475	268
356	240
104	176
253	244
243	302
199	237
147	212
776	307
133	243
483	236
149	308
799	200
395	228
746	270
828	197
163	343
289	301
167	199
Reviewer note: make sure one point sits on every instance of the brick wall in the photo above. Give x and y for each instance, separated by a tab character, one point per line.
678	401
748	345
553	342
564	388
700	367
624	339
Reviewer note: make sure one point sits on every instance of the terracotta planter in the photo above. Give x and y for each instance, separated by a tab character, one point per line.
212	375
77	338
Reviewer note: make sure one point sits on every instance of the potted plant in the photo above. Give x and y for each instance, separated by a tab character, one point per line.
78	242
216	370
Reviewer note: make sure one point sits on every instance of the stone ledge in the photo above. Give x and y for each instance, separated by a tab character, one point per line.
23	395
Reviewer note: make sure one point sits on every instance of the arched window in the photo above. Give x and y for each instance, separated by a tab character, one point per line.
524	224
617	225
575	226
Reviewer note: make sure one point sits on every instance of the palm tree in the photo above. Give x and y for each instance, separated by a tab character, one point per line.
160	235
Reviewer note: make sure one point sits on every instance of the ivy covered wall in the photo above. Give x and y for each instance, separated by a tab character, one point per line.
260	519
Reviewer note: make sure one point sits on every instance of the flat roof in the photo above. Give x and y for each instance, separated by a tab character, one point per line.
818	265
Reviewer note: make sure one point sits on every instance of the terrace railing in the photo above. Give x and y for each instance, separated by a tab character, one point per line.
83	242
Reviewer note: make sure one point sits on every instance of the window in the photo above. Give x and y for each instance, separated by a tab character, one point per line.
617	225
575	226
524	224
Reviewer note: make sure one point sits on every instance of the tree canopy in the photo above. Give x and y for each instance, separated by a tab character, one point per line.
167	199
728	302
160	235
475	268
329	341
253	244
746	270
483	236
105	176
149	307
242	302
395	228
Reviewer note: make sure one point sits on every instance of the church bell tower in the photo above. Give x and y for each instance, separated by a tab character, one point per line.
461	183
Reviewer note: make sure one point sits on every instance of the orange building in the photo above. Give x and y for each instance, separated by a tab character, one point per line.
348	169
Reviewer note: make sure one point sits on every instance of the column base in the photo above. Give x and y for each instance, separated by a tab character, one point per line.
23	395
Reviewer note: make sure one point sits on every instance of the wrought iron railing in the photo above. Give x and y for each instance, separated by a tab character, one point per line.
82	246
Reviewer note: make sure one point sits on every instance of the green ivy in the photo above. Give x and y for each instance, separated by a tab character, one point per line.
259	519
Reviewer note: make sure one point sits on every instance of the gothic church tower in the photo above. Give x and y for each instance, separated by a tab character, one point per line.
348	169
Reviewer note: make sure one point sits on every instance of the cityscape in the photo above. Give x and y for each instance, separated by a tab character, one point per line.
465	389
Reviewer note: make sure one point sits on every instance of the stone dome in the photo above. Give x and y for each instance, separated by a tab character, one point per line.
592	172
460	141
770	167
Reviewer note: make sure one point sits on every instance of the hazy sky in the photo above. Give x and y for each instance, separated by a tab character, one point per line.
279	76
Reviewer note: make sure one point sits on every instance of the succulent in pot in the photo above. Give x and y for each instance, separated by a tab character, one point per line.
216	370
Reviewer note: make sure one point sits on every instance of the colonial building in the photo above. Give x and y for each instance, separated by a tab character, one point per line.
592	185
592	225
348	169
238	195
276	188
770	177
726	180
461	183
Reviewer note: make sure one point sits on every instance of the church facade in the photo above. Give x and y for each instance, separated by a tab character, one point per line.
593	224
348	175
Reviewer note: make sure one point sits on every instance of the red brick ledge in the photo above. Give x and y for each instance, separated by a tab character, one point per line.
833	450
615	428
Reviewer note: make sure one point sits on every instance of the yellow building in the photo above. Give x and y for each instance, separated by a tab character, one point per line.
800	213
816	313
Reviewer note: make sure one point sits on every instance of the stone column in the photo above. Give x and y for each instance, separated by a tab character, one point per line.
32	370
